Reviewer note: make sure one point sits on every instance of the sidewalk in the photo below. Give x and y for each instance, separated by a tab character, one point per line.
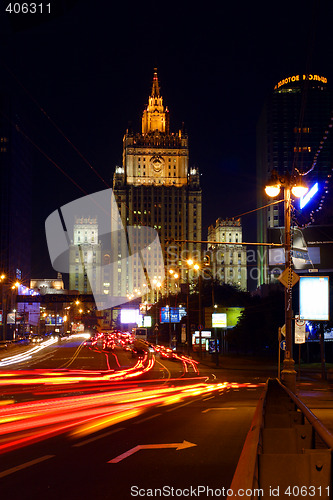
311	389
308	371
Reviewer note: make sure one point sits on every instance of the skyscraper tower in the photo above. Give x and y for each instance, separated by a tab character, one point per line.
293	122
155	185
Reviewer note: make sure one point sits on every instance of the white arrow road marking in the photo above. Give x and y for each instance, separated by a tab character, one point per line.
178	446
210	409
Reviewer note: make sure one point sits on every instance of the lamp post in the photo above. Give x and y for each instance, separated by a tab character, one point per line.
158	285
175	276
291	184
3	307
197	268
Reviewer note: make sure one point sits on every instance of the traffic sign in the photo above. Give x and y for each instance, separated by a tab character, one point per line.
288	278
283	345
299	332
299	322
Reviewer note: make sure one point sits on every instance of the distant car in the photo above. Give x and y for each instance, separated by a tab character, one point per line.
36	339
138	353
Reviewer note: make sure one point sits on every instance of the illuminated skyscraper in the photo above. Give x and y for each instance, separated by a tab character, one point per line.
228	262
85	250
293	135
155	185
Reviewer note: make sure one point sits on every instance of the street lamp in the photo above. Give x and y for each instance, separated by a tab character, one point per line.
158	285
3	307
196	267
291	184
175	275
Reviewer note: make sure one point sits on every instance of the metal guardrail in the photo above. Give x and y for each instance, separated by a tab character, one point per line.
319	428
281	456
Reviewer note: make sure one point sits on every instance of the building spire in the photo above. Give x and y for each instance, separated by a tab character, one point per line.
155	92
155	117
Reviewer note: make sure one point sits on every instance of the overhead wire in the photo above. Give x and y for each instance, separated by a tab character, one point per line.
59	130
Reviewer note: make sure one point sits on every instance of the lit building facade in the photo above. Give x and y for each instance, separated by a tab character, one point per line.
228	262
85	252
290	131
46	286
156	187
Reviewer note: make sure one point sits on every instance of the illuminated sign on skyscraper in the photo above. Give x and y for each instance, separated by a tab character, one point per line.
309	195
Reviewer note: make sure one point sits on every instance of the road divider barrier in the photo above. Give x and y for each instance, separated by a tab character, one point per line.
287	451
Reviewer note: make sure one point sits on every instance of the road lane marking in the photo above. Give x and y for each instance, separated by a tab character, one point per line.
164	368
73	358
210	409
206	399
178	446
101	436
147	418
25	465
179	406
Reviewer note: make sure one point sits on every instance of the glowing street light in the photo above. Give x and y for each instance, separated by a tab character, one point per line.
196	267
291	185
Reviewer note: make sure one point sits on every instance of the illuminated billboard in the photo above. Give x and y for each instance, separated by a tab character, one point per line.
53	320
219	320
130	316
176	314
147	321
314	298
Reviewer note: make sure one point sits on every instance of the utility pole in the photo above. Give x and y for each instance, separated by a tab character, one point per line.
288	373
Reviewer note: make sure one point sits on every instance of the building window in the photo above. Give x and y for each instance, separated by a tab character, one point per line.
302	149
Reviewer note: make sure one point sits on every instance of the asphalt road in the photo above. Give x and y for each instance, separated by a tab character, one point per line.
69	354
77	354
187	443
62	468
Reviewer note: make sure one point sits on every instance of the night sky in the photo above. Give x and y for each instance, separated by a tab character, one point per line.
90	69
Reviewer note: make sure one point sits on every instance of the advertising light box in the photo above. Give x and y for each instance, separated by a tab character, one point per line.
177	314
147	321
130	316
314	298
52	320
219	320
